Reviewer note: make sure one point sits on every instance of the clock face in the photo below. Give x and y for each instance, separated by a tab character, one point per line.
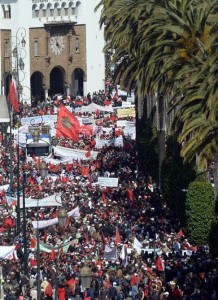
57	44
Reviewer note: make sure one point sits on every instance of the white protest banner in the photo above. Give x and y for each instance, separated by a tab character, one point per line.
149	250
125	123
64	152
93	108
118	142
108	181
39	119
53	200
7	252
47	223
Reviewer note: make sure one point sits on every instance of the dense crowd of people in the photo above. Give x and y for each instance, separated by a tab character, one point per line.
126	235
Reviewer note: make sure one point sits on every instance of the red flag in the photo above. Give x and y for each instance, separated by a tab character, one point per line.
130	194
67	125
104	199
13	96
180	233
84	171
52	254
71	283
33	243
88	154
45	235
159	264
117	238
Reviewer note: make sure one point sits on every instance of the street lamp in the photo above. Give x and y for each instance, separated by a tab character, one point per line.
86	276
62	217
43	170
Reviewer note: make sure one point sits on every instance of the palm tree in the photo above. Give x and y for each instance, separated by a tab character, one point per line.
168	47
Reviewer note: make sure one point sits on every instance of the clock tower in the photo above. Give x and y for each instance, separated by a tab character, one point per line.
62	61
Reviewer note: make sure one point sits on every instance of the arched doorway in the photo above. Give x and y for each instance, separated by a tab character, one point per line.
36	82
57	81
77	87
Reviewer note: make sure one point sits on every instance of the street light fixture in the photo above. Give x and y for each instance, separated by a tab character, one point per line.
23	42
62	217
20	89
86	276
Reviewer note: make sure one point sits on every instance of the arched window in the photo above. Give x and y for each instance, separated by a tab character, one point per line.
36	48
78	8
55	14
71	9
9	12
34	14
48	10
63	5
41	10
77	46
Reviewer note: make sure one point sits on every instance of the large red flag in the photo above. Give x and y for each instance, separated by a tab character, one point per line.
13	96
67	125
117	238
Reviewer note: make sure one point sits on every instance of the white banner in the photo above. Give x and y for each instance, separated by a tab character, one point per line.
118	142
39	119
53	200
7	252
46	223
93	108
125	123
73	153
108	181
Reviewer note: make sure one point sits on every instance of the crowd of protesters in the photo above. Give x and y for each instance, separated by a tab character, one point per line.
164	266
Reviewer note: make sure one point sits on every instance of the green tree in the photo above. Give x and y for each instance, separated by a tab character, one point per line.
200	211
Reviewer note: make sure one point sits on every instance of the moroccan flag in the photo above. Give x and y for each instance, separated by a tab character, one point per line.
159	264
67	125
130	194
180	233
52	254
117	238
13	98
71	283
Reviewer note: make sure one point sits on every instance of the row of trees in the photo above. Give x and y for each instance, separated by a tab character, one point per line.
167	51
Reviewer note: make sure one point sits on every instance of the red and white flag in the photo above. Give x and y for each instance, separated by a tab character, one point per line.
13	97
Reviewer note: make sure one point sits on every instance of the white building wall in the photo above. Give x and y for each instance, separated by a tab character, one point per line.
21	16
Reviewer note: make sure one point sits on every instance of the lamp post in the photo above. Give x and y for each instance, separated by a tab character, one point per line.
62	219
43	170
